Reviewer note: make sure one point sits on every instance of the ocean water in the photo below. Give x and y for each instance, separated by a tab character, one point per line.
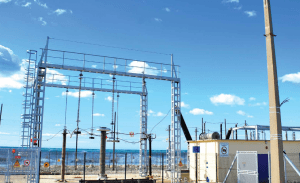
53	156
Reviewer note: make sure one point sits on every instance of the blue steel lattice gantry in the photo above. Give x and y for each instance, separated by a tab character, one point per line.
73	61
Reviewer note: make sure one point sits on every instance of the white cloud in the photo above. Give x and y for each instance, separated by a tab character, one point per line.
57	124
167	9
158	19
9	91
238	8
54	76
94	66
241	113
60	11
27	4
4	133
83	94
252	98
139	67
9	62
41	4
294	78
109	98
4	1
160	114
98	114
227	99
12	70
259	104
51	135
13	81
150	111
43	21
71	11
184	105
197	111
231	1
250	13
185	93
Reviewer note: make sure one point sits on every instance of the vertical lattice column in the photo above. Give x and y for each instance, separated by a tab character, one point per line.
143	131
176	133
26	116
168	158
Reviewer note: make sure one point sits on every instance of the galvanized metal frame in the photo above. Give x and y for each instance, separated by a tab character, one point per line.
143	160
27	103
38	96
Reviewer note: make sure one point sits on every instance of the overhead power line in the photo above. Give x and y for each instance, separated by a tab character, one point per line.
116	47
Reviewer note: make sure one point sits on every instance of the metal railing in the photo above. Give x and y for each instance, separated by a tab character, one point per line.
116	64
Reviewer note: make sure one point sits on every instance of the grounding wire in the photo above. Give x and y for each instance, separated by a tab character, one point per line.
160	120
94	44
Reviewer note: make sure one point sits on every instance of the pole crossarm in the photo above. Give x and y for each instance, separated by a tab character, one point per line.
111	72
93	89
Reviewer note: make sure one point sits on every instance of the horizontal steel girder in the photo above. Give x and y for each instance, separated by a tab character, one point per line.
118	73
93	89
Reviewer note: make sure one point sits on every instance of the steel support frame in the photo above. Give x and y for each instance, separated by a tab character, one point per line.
143	160
175	132
37	112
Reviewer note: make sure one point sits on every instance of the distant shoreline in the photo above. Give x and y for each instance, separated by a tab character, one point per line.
89	150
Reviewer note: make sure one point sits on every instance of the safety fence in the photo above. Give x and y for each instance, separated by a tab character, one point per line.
51	163
18	165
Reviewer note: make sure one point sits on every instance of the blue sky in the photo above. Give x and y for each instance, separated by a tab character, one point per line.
219	45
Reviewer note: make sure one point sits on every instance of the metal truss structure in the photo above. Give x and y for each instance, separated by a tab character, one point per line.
258	128
38	79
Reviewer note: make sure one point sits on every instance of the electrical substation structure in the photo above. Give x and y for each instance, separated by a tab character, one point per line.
37	80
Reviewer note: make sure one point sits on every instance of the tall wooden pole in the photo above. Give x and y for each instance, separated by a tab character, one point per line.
277	171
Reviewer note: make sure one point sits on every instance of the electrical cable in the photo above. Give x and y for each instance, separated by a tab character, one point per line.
130	142
53	136
94	44
160	120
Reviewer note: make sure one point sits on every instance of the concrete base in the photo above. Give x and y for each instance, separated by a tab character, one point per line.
102	177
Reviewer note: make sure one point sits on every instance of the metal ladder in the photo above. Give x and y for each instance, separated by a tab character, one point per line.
26	116
37	120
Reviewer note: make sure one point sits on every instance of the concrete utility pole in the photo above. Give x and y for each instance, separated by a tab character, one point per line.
277	171
103	131
63	156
